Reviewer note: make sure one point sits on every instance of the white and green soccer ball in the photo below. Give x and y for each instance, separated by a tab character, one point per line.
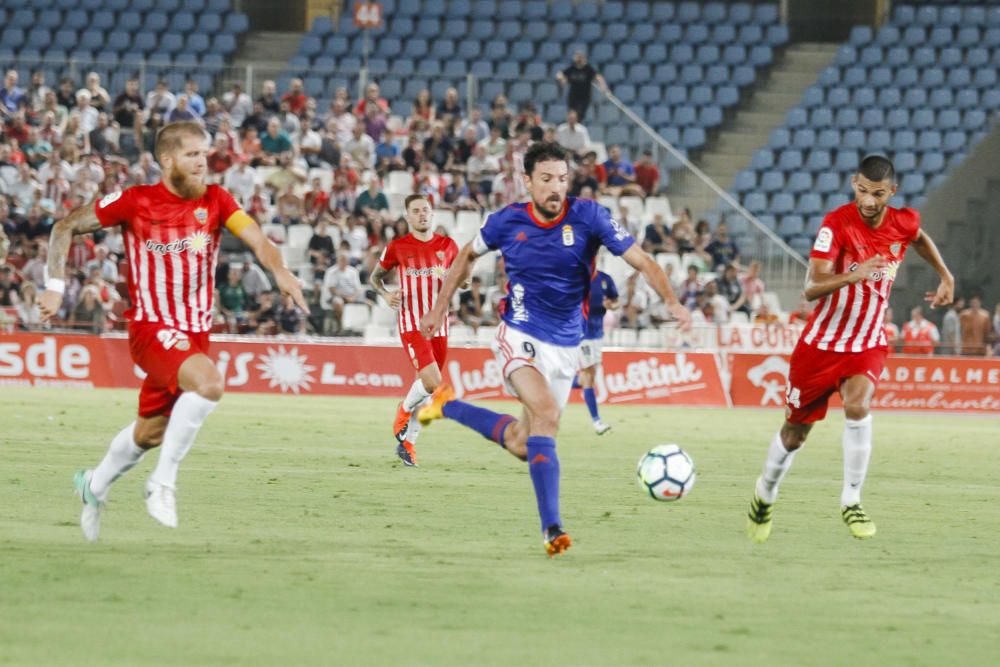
666	473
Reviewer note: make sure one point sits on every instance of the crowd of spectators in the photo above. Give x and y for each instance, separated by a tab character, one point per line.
291	163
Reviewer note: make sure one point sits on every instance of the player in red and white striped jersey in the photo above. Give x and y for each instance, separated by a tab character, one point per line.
171	234
421	259
843	348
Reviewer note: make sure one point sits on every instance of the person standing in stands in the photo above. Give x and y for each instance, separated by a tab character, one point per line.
578	78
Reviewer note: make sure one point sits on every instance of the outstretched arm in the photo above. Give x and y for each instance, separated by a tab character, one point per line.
81	220
457	274
925	247
655	277
377	281
270	257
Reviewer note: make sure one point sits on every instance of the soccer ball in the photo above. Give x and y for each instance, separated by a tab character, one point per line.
666	473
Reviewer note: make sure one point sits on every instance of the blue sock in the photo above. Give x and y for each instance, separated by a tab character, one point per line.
543	464
489	424
591	400
576	382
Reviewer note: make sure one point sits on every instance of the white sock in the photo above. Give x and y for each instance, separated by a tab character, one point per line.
857	452
415	396
779	460
413	429
188	415
121	457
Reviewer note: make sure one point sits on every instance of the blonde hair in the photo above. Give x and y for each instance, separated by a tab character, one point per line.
170	136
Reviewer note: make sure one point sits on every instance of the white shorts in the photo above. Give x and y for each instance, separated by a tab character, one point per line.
558	364
590	352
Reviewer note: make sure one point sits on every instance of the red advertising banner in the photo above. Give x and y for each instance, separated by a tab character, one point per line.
313	367
907	383
327	368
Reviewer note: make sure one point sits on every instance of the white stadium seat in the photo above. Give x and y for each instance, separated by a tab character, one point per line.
656	205
400	182
355	317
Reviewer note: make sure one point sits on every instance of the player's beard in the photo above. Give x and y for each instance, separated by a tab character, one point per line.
551	207
188	186
873	217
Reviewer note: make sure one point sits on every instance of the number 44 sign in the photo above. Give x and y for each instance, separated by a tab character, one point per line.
367	14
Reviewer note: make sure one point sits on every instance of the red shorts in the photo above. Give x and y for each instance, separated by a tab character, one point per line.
159	351
424	352
815	375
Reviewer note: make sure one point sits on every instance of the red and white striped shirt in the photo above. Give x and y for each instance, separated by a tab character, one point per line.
851	319
422	267
172	247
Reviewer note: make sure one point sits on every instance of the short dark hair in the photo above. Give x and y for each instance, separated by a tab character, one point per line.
543	151
412	198
877	168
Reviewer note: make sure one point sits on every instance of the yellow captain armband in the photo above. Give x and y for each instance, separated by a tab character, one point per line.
239	221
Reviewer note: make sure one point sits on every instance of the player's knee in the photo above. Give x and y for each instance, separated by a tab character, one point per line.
793	436
855	410
210	387
148	438
545	420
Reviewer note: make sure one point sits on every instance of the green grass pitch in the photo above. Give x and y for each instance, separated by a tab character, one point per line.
303	540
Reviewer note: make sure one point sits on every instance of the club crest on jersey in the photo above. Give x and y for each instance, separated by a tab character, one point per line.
894	248
440	255
201	215
568	238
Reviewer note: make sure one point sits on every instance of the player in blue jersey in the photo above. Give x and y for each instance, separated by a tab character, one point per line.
603	297
549	246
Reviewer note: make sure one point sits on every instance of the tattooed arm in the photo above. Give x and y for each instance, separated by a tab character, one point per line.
82	220
378	284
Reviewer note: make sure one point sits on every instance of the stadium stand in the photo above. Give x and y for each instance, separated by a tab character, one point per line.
920	89
325	170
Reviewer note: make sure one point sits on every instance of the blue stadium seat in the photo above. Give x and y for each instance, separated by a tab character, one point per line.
655	54
950	15
637	12
821	118
828	139
779	138
796	117
665	73
974	15
685	115
790	160
907	77
91	40
766	14
691	75
750	34
236	23
670	33
782	203
740	13
973	120
727	96
827	182
224	44
791	225
687	12
927	15
696	33
953	141
846	55
602	52
904	140
723	34
745	181
629	52
700	95
880	77
940	37
931	163
551	52
644	33
923	57
932	77
616	32
707	54
156	22
682	54
799	182
508	30
693	137
929	140
889	97
713	12
985	77
802	139
838	97
819	160
990	99
872	119
853	77
755	202
880	140
734	54
763	158
711	116
761	55
182	22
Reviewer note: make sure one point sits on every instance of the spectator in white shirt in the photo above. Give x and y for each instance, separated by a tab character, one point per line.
341	285
572	135
361	147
